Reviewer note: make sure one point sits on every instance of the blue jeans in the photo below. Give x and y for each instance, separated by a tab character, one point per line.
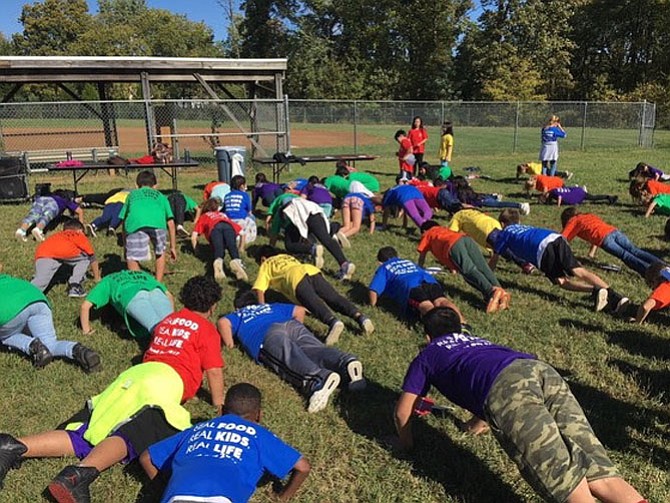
109	217
549	168
34	322
617	243
149	308
492	202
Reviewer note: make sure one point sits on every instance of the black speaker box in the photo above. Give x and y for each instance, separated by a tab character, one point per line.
11	166
13	187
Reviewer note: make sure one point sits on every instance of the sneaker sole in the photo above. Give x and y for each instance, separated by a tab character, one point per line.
368	326
601	300
61	493
91	231
183	232
37	235
319	399
21	237
622	304
344	240
351	269
356	379
93	364
318	257
238	270
218	270
334	333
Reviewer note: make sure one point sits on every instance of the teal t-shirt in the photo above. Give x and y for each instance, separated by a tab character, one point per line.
662	204
145	207
369	181
19	294
337	185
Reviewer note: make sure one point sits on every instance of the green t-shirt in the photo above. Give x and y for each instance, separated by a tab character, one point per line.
275	211
119	288
662	204
19	294
370	182
145	207
191	205
444	172
337	185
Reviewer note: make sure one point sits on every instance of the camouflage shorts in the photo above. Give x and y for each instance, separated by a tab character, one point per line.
542	427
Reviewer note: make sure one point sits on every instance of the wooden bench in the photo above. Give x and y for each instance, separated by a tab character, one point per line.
37	160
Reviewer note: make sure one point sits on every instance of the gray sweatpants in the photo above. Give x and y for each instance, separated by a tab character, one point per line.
46	268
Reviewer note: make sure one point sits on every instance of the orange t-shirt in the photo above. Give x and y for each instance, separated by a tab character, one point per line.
439	241
546	183
655	188
661	295
64	245
589	227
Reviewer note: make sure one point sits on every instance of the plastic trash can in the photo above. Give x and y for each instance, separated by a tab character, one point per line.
230	161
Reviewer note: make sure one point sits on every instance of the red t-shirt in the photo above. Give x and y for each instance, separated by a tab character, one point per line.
439	241
430	194
405	149
661	295
589	227
546	182
188	343
415	136
209	220
65	245
655	188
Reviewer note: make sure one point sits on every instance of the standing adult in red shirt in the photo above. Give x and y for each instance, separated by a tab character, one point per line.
418	136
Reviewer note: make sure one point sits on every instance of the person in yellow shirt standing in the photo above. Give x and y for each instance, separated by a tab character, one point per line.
305	285
446	149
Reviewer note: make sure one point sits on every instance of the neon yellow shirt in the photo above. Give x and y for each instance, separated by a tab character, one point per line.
119	197
283	273
447	141
534	168
475	224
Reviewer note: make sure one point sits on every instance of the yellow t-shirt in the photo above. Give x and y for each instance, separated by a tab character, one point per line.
446	142
534	168
475	224
119	197
283	273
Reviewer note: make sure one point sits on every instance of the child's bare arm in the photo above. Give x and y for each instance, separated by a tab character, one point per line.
592	251
373	298
95	269
372	223
194	240
650	209
85	317
644	310
299	313
173	239
403	416
215	381
147	465
260	295
422	259
226	332
170	298
80	214
298	475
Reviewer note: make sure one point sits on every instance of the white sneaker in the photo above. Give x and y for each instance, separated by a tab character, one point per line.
601	299
524	209
182	231
568	175
90	230
343	240
38	234
21	235
237	267
318	256
334	331
356	380
219	274
319	399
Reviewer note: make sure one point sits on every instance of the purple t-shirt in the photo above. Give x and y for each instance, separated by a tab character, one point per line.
569	195
317	194
64	204
462	367
267	191
654	172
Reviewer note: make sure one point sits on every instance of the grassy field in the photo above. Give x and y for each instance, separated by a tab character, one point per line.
619	372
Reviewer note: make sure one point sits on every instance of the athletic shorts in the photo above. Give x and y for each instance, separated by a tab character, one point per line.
424	292
543	429
138	244
353	203
146	428
558	261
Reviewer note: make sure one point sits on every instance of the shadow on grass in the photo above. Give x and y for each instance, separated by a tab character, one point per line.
639	342
435	456
655	382
580	325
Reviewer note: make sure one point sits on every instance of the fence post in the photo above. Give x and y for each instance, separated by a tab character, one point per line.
287	125
640	139
516	126
355	128
442	115
583	139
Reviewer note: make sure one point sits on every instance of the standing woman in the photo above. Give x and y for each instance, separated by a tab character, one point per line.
549	151
446	148
418	136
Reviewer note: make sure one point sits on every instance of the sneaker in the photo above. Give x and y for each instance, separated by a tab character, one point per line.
218	269
237	267
40	354
90	230
71	484
38	234
317	256
600	299
524	208
343	240
111	231
621	305
355	372
346	271
494	301
319	398
334	331
612	199
585	189
181	230
11	451
569	175
366	324
76	290
87	359
21	235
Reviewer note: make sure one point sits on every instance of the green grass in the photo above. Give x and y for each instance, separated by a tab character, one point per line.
619	372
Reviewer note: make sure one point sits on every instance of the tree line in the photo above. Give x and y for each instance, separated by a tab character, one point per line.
393	49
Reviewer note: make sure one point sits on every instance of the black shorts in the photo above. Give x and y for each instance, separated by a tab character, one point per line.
424	292
558	261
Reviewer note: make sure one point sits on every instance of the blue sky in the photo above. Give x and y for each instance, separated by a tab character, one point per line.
196	10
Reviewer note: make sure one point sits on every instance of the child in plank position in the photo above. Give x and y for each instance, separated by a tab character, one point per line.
229	468
141	407
659	204
264	191
529	406
274	335
68	247
45	209
657	278
574	195
599	234
648	171
237	206
304	284
458	252
111	210
409	199
147	218
535	168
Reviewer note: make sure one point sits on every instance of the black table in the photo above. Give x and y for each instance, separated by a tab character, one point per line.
79	172
278	167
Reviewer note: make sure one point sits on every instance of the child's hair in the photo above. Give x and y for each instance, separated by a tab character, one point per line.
653	275
244	298
420	122
530	184
266	251
386	253
667	230
428	224
399	133
440	321
212	204
200	293
242	399
341	164
568	214
72	224
447	128
313	180
554	119
261	178
636	188
146	179
521	169
342	171
509	216
237	181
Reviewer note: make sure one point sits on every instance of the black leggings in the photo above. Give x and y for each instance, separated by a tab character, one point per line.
318	231
317	295
178	206
222	238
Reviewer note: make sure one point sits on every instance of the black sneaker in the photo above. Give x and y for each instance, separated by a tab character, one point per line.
40	354
11	451
76	290
87	359
71	484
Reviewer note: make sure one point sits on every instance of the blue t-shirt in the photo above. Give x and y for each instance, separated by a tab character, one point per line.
250	324
400	194
462	367
225	457
237	204
527	243
551	134
368	206
396	277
